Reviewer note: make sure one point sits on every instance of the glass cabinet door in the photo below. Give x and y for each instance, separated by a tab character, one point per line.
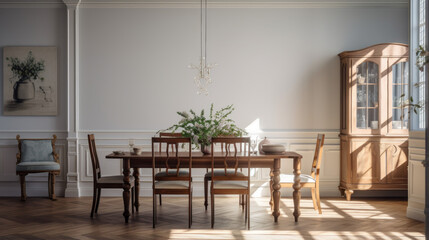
400	95
367	95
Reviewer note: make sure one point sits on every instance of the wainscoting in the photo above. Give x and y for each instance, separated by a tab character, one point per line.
416	176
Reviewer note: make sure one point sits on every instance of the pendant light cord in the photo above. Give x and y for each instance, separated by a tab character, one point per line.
205	35
201	28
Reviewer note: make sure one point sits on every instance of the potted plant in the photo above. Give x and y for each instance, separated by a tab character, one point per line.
201	129
25	73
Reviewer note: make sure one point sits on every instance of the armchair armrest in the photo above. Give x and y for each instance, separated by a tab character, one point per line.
56	157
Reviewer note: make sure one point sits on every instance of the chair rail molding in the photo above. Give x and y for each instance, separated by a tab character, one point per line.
196	3
72	188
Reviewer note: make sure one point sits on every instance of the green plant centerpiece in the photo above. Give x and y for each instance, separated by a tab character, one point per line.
24	74
201	128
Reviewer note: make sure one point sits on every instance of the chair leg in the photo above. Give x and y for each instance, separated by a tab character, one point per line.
154	210
98	200
49	186
318	199
132	199
206	190
212	204
313	197
248	210
271	190
94	200
245	212
23	189
53	197
189	210
160	200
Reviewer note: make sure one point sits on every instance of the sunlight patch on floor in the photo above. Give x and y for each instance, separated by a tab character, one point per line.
278	234
350	204
330	208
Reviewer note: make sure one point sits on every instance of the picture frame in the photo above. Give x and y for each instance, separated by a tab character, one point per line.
30	81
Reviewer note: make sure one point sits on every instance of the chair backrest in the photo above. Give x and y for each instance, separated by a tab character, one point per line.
96	172
231	157
36	150
223	146
174	159
315	167
169	134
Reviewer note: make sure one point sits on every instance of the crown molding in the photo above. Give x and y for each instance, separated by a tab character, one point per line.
32	4
196	3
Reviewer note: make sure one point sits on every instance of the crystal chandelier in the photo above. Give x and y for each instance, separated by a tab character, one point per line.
202	79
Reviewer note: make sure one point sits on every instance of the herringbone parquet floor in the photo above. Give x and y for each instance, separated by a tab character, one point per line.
68	218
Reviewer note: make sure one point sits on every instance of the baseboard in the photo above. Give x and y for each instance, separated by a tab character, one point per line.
416	214
33	191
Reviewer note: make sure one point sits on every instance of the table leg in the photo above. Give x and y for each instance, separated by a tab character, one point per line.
127	186
136	174
271	189
296	187
276	188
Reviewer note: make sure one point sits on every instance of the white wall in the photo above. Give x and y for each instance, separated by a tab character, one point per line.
278	65
33	27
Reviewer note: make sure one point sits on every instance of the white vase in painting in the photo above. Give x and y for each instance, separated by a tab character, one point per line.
23	90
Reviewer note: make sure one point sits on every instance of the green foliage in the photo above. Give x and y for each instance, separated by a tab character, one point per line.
422	58
202	129
27	69
409	102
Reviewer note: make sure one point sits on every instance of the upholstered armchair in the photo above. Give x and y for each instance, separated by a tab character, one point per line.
35	156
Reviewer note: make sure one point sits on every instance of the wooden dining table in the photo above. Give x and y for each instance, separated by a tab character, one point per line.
199	160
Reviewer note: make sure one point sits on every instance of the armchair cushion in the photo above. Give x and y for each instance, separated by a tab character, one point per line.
36	151
221	172
37	166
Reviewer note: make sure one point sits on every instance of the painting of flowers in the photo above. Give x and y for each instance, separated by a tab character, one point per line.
29	81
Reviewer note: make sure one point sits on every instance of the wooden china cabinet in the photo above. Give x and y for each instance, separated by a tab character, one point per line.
374	124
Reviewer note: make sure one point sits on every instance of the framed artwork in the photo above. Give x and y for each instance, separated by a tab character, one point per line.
30	81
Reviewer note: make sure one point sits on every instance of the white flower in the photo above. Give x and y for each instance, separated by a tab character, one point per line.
185	114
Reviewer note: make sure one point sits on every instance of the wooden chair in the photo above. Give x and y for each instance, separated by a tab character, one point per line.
36	156
312	180
172	180
166	134
219	172
231	181
100	182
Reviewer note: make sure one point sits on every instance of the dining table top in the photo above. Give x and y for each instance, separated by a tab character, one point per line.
200	160
200	155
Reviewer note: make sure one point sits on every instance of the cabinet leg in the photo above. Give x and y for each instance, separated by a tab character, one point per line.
349	193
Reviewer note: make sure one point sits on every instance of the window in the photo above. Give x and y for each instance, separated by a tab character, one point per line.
417	84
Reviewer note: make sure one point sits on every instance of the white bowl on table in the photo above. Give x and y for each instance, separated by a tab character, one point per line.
273	148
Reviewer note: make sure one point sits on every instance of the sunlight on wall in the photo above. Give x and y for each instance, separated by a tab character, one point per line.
253	128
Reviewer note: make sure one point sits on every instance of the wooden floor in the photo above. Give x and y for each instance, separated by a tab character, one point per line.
68	218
